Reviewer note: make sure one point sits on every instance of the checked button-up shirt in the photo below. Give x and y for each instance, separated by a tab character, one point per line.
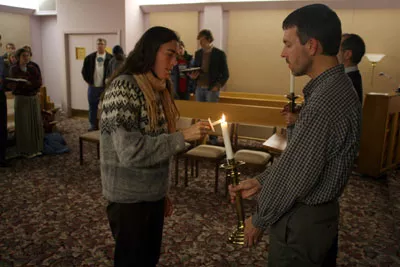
320	153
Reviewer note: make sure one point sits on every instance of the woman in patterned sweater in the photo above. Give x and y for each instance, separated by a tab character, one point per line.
138	138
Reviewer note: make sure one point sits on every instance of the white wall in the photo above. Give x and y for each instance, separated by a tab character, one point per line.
89	16
213	21
36	39
15	28
134	23
31	4
51	64
184	23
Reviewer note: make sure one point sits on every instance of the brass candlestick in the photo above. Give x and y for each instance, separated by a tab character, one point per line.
292	101
237	236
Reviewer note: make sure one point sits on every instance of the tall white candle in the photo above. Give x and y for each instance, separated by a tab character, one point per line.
291	83
227	140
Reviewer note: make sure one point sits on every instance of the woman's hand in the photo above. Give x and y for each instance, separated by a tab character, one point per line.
196	131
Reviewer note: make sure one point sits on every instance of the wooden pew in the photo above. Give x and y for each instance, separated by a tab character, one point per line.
242	98
253	95
253	99
47	107
259	115
10	112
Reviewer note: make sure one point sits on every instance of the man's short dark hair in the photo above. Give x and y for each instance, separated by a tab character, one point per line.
207	34
317	21
355	44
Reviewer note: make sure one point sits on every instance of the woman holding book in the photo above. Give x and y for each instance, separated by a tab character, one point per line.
25	81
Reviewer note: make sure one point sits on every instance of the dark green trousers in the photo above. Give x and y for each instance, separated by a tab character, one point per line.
306	236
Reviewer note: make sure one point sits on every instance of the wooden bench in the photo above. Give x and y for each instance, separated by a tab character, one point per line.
236	113
253	101
90	137
10	112
46	106
253	95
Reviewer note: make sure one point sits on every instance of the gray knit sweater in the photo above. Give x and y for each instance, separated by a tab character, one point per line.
134	159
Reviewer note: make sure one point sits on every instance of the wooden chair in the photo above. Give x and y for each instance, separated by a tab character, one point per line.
182	123
211	153
91	137
253	153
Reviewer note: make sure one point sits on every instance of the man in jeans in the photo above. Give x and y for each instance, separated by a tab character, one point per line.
94	73
214	69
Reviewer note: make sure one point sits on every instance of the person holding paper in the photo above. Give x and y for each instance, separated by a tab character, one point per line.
28	119
298	196
214	69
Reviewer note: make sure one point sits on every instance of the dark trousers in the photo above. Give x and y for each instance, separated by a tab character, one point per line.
137	230
305	236
94	94
3	126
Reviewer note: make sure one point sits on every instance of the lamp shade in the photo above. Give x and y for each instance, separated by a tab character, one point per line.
374	57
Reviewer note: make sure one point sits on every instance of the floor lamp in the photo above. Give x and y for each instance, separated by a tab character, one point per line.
374	59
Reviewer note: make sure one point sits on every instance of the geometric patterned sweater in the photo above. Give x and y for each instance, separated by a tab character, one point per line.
134	160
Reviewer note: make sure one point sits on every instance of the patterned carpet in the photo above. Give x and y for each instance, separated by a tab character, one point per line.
52	214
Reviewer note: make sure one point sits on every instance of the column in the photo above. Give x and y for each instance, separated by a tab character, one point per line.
134	24
213	20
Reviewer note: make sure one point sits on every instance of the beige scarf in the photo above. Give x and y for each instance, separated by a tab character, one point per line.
151	86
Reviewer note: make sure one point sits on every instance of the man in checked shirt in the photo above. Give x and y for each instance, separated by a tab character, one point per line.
298	196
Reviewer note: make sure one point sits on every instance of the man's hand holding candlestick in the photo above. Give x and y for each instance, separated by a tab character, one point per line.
247	189
290	116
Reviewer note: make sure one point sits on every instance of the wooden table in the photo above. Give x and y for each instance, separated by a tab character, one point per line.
276	144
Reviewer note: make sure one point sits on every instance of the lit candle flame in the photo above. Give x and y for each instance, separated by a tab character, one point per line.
223	118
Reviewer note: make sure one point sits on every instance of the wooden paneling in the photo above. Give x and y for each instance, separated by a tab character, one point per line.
379	148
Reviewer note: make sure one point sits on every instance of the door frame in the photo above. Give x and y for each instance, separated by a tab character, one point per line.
66	103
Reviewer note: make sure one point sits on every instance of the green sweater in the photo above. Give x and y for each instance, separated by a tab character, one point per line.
134	159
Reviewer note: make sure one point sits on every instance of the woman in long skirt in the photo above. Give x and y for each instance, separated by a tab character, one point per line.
28	121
